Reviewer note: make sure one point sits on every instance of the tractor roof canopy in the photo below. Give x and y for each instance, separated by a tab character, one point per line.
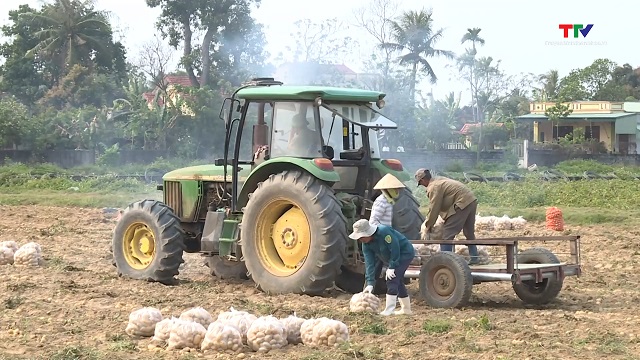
309	93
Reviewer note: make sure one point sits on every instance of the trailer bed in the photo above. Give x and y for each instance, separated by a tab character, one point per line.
511	270
536	274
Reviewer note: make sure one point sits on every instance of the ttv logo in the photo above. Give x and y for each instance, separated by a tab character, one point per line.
577	28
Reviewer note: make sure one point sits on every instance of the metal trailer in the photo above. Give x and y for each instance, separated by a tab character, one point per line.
536	274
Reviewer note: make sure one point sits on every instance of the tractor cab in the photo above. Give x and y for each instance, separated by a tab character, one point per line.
306	122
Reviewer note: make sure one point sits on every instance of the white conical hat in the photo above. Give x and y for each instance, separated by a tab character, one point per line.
389	182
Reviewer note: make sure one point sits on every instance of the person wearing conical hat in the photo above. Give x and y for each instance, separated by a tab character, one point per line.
382	214
382	209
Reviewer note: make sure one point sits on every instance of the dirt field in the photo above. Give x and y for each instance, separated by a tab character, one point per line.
77	308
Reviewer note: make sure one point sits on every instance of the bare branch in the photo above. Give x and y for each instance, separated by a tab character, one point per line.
154	59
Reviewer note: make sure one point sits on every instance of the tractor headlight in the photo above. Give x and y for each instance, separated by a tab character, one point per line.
380	104
317	101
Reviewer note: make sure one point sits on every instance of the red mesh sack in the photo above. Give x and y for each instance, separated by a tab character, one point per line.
555	221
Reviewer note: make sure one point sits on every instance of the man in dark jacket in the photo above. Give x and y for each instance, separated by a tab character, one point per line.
384	243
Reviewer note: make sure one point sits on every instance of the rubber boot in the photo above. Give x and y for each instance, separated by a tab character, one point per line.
391	305
405	307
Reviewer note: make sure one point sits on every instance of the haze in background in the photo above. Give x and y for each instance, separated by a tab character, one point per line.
515	31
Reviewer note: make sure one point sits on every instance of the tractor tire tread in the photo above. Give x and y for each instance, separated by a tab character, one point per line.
169	242
330	237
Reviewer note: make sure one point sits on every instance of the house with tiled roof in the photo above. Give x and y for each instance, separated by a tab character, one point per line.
170	82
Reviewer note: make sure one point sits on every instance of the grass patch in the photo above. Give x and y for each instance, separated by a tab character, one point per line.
376	328
66	198
75	353
606	344
13	302
437	326
482	324
120	342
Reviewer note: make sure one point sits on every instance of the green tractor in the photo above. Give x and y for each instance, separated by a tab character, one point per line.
298	170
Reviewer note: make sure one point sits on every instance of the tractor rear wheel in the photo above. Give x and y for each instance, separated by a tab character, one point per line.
407	217
148	242
293	234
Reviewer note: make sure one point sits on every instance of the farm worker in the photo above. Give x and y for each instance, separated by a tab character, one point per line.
457	206
394	250
302	140
382	209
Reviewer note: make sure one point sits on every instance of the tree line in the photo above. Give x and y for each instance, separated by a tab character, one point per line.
68	83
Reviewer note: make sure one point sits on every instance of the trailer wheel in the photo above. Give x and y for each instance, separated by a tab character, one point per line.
446	281
543	292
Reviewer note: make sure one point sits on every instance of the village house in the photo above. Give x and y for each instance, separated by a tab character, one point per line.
615	124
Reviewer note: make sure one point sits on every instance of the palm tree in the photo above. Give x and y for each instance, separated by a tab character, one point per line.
72	30
473	36
550	82
415	35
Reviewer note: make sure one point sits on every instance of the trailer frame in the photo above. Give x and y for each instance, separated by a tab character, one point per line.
520	274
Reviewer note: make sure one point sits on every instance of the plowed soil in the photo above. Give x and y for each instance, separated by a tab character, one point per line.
75	307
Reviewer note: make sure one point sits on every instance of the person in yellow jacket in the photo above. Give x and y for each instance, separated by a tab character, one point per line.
457	206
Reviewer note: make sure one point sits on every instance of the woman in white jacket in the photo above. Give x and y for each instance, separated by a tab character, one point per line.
382	209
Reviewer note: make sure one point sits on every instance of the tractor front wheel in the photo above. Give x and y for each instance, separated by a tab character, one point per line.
148	242
293	234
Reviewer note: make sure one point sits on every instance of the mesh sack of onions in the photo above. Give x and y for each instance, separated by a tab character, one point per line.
163	330
364	302
485	223
10	244
502	223
6	255
29	254
186	334
197	314
267	333
518	223
241	320
324	332
142	322
554	219
222	337
292	325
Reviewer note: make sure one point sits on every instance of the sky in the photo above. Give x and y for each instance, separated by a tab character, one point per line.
521	34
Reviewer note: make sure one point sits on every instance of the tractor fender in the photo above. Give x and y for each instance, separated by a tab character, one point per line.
277	165
380	165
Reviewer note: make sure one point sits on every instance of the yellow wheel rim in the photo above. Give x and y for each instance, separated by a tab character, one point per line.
283	237
138	245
